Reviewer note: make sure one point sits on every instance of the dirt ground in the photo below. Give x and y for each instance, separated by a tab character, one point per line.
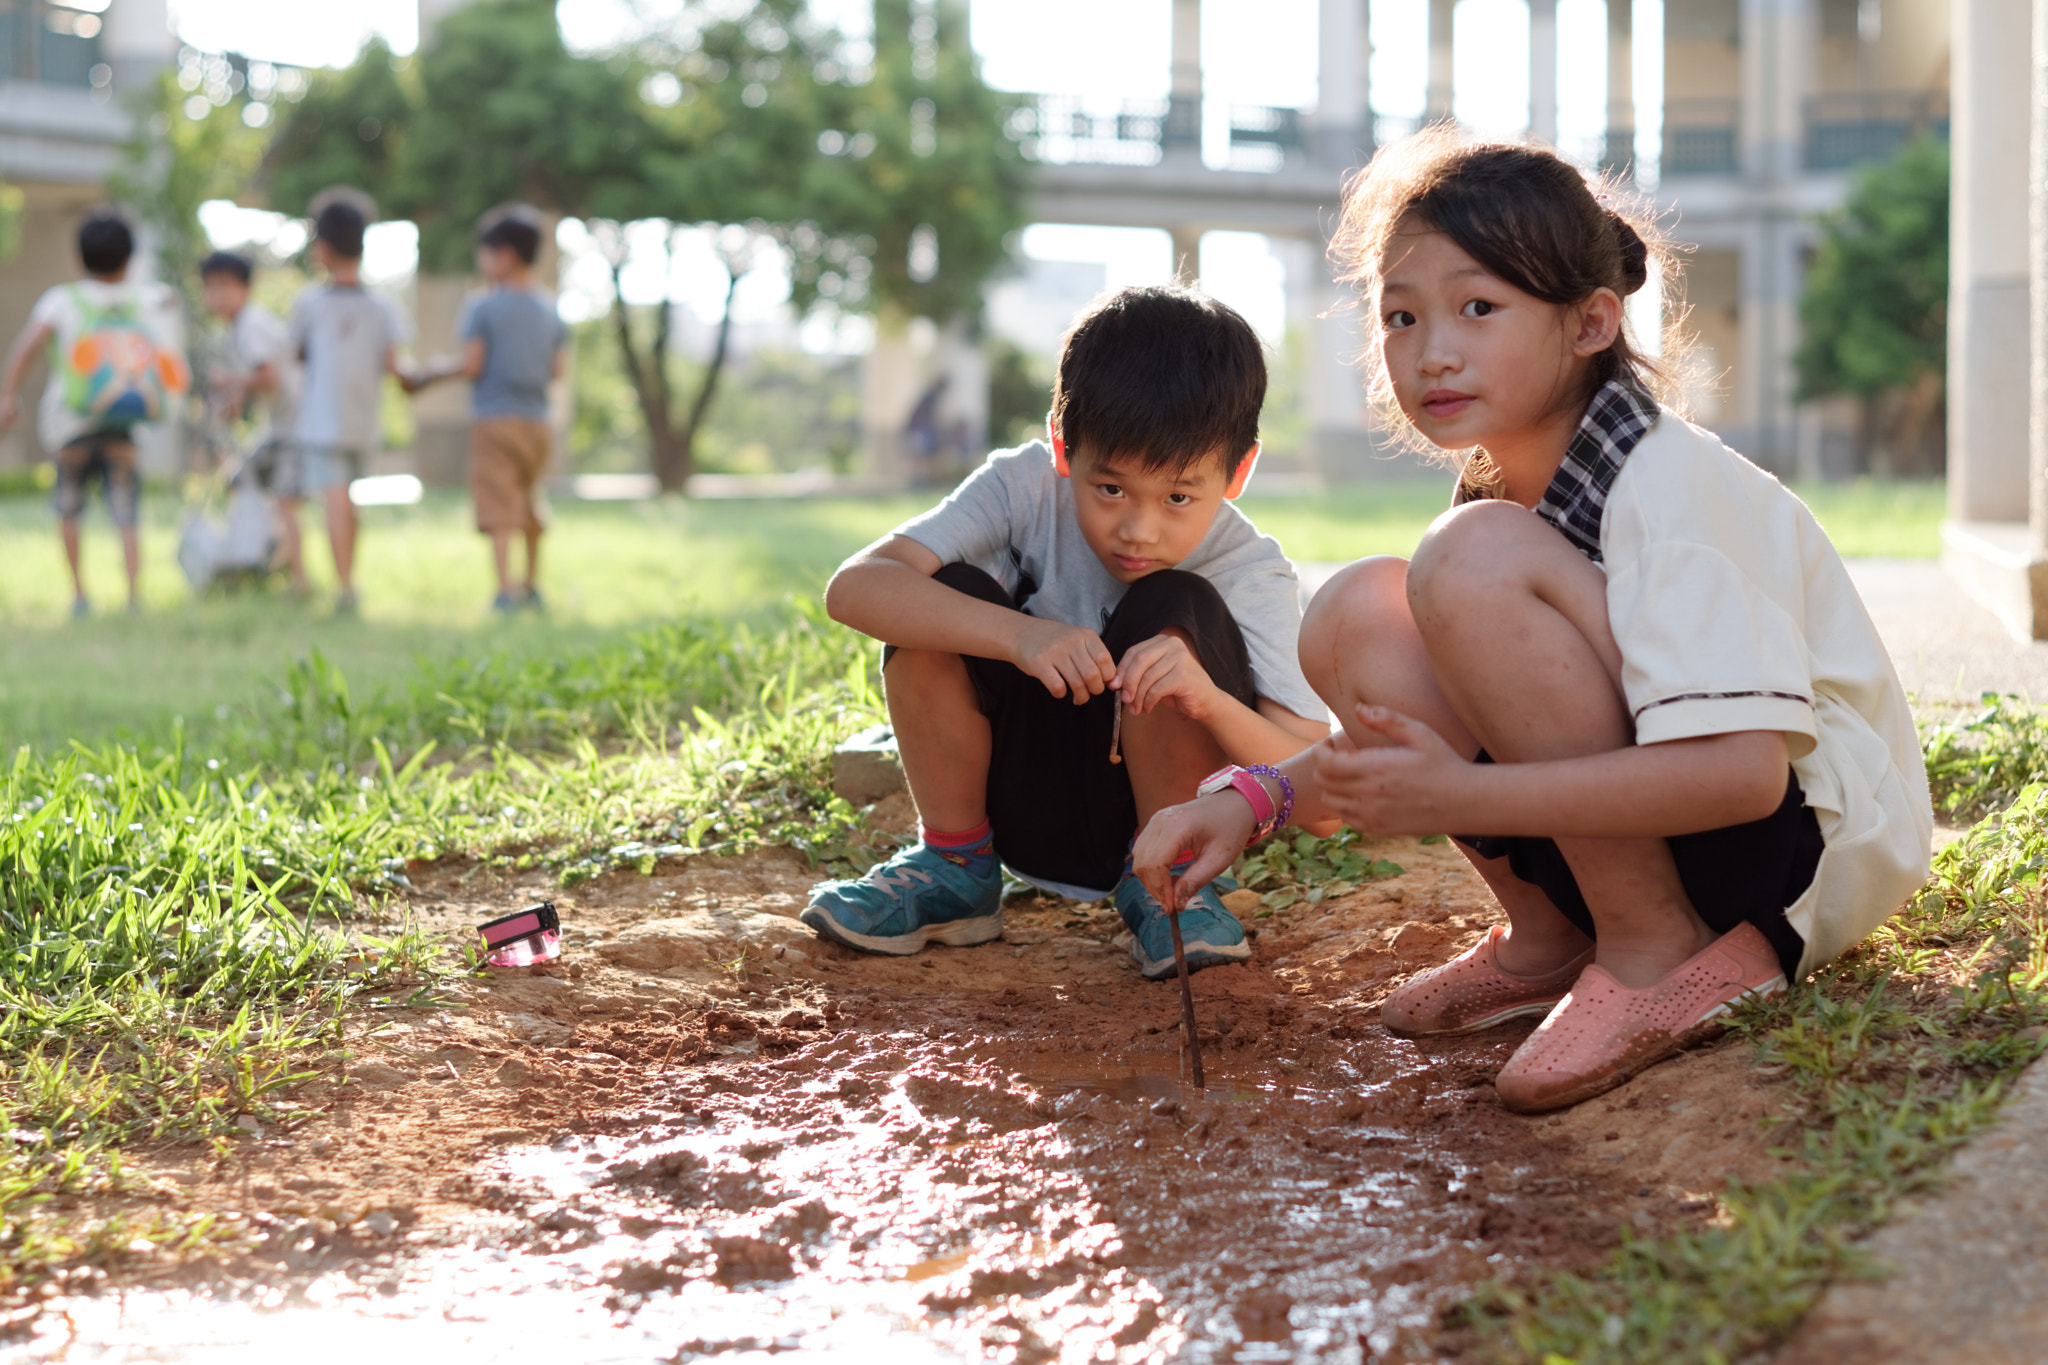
705	1133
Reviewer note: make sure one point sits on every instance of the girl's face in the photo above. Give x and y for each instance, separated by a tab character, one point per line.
1475	361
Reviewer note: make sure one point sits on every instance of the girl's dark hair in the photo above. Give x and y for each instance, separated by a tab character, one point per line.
1528	217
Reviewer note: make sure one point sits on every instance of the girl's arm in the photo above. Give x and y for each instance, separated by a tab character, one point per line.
1414	783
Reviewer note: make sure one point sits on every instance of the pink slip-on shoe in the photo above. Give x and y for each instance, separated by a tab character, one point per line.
1473	991
1604	1032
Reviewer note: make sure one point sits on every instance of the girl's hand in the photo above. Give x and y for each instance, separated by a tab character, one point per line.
1071	661
1214	829
1407	785
1164	669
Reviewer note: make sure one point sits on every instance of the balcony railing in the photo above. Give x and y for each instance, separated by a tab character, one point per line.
1850	129
1072	128
1700	136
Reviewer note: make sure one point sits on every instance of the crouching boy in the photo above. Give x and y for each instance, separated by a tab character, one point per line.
1056	587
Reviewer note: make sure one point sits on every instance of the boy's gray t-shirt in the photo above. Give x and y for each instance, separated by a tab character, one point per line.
521	332
343	333
1014	519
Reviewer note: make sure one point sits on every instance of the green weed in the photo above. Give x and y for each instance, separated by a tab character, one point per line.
1308	870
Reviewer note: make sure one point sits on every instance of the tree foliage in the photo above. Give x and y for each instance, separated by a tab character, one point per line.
887	183
1875	309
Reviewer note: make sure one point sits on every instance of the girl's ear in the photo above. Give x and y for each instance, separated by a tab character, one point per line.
1599	323
1059	452
1243	475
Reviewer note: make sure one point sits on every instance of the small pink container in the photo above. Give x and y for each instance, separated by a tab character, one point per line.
524	937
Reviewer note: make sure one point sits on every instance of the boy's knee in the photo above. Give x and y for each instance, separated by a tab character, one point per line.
1168	599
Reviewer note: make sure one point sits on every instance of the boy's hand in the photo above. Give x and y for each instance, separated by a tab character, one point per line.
1164	669
1405	785
1071	661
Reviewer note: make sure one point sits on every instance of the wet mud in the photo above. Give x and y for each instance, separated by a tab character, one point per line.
705	1134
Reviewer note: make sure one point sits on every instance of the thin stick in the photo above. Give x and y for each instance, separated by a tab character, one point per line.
1187	1002
1116	732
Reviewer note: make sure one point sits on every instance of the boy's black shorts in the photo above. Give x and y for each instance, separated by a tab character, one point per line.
1060	809
1743	872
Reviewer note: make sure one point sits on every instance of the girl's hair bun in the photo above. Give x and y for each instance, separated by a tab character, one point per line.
1635	254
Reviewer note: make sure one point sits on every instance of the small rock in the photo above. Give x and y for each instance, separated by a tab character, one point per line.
381	1222
248	1124
1242	902
1166	1106
1412	937
742	1259
517	1072
1262	1315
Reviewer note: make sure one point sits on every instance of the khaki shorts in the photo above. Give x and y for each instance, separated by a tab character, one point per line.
507	456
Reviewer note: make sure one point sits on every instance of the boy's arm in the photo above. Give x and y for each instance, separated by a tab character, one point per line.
469	365
33	336
887	591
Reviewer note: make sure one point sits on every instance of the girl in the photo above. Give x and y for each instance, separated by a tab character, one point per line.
1627	658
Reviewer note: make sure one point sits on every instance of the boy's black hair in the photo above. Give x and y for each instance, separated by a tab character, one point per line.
105	242
1162	374
513	227
228	263
340	224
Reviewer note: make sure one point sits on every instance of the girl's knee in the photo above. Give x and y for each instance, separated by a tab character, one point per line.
1365	600
1481	549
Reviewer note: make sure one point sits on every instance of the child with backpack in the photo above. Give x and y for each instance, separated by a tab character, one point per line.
1626	663
110	370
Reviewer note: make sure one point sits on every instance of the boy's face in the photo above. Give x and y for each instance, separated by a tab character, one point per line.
1139	521
224	295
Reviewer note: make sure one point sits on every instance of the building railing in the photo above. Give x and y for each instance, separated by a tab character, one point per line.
1700	137
1849	129
1074	128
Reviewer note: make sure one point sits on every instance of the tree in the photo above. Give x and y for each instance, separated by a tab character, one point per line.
746	121
1875	310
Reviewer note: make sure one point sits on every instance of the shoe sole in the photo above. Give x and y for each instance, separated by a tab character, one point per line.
1199	955
1528	1008
958	933
1701	1029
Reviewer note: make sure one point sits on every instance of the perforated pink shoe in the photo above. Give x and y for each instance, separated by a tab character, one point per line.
1604	1032
1473	991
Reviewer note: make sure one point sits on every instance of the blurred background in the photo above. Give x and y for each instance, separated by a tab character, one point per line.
856	231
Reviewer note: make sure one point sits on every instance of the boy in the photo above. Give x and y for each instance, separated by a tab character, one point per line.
1055	588
261	366
347	338
511	350
109	371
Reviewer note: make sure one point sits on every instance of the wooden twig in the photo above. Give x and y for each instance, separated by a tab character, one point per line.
1187	1001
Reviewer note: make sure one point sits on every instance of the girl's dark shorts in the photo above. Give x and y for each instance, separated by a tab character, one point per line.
1059	808
1743	872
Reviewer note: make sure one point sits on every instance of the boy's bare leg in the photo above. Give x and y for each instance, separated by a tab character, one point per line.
1515	623
341	536
501	560
532	559
131	559
942	737
291	540
1359	644
67	529
1166	754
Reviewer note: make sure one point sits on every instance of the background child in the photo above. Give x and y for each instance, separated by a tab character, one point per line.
348	340
511	349
1627	656
110	370
1054	583
259	381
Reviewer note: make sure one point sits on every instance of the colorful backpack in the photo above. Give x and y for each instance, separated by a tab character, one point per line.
115	373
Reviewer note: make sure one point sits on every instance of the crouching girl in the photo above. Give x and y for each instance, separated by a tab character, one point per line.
1627	664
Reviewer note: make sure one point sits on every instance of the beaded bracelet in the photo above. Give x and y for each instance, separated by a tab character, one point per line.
1286	791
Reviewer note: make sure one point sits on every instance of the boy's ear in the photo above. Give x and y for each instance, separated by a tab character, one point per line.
1059	453
1243	475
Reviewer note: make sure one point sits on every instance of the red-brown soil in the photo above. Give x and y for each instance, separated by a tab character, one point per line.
704	1132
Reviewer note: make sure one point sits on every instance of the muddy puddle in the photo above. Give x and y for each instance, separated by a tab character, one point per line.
705	1135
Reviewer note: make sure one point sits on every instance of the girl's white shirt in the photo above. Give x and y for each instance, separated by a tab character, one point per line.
1733	612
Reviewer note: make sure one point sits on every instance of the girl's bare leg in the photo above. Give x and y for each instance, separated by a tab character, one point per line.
1359	644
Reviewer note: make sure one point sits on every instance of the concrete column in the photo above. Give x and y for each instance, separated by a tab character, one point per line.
1543	71
1987	544
1436	104
1324	333
1340	129
1187	253
1184	99
888	391
1620	152
137	41
1778	40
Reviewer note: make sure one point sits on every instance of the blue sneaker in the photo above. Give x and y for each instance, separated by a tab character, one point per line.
919	896
1210	934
